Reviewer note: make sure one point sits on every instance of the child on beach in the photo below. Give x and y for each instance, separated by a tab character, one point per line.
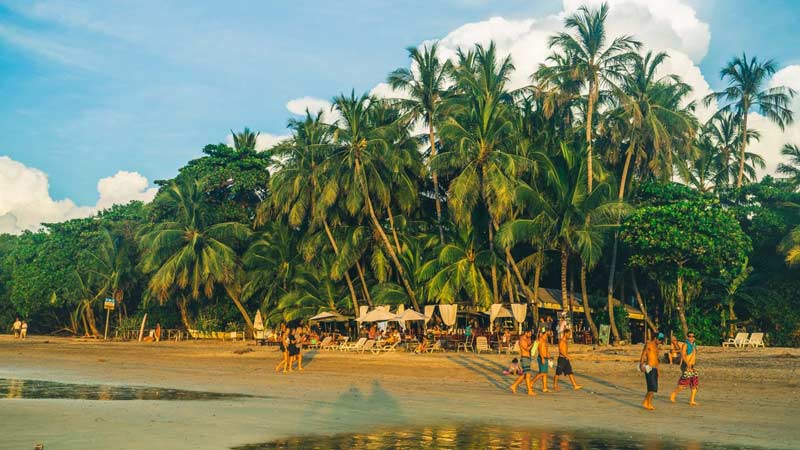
514	368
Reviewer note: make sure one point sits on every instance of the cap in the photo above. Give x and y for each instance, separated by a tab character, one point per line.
661	336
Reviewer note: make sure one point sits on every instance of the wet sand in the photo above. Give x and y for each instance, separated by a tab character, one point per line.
748	397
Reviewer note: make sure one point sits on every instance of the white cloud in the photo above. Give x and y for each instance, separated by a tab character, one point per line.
25	201
264	141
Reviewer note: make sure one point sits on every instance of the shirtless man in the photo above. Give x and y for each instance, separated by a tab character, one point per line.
688	374
648	363
564	366
525	345
543	359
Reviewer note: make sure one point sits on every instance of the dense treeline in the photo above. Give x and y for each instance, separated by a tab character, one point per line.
461	191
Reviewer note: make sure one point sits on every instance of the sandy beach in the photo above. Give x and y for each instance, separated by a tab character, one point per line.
748	397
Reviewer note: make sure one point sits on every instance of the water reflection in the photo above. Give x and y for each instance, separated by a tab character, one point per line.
469	437
18	388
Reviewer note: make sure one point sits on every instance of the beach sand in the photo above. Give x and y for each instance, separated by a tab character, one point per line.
748	397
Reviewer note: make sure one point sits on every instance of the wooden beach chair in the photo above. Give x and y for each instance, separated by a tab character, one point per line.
385	348
466	345
436	346
325	341
331	345
341	345
482	345
355	346
367	347
739	341
756	340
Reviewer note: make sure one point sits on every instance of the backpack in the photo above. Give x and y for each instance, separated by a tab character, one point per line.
535	349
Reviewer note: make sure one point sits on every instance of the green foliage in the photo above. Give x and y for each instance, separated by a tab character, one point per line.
705	325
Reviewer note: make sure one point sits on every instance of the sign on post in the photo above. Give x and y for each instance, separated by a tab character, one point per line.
109	304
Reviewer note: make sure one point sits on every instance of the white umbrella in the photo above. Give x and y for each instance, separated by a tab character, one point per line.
258	322
329	316
377	315
410	315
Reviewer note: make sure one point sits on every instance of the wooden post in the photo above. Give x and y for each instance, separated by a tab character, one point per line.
105	334
141	329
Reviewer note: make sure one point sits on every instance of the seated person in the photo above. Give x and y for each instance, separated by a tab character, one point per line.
514	368
673	356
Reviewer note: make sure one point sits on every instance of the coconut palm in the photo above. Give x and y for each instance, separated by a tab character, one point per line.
790	246
312	292
187	256
357	168
745	92
425	85
593	60
791	170
723	132
113	266
245	141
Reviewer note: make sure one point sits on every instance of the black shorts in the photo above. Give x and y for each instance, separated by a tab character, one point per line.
652	380
293	350
563	367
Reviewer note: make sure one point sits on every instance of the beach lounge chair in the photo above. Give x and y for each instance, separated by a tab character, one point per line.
325	341
466	345
367	347
756	340
436	346
482	345
354	346
332	344
385	348
739	341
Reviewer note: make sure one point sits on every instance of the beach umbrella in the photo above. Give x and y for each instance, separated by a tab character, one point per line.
258	322
329	316
377	315
410	315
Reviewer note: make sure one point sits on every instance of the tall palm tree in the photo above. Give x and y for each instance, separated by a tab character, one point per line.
745	92
245	141
357	167
593	60
113	266
483	159
425	84
297	186
791	170
790	246
187	256
312	292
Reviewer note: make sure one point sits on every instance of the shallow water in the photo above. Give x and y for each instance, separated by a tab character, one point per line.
39	389
468	437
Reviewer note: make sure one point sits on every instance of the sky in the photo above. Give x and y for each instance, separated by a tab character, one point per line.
99	98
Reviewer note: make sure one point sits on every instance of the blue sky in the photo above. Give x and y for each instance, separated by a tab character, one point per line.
94	87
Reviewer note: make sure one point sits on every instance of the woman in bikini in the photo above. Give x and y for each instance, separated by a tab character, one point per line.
283	345
689	376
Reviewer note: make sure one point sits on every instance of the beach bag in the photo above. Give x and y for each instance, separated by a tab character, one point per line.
535	349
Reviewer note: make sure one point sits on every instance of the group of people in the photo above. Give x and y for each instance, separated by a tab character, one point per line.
683	352
291	347
20	329
538	349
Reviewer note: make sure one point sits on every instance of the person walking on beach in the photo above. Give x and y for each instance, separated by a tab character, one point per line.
294	348
648	363
542	359
564	366
688	374
17	327
23	330
525	345
283	343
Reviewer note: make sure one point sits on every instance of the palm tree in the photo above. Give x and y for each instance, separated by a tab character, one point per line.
271	262
312	292
425	85
723	131
745	92
245	141
296	187
357	167
592	60
790	246
186	255
791	170
113	266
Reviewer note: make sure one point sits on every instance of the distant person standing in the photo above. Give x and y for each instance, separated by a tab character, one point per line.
17	327
525	345
562	326
23	330
688	374
543	359
648	363
564	365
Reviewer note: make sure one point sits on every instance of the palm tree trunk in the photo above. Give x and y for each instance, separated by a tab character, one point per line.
184	313
625	169
589	116
384	239
91	319
394	230
495	292
612	272
537	276
234	292
740	178
640	301
532	296
564	261
585	297
432	139
347	278
682	306
364	283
